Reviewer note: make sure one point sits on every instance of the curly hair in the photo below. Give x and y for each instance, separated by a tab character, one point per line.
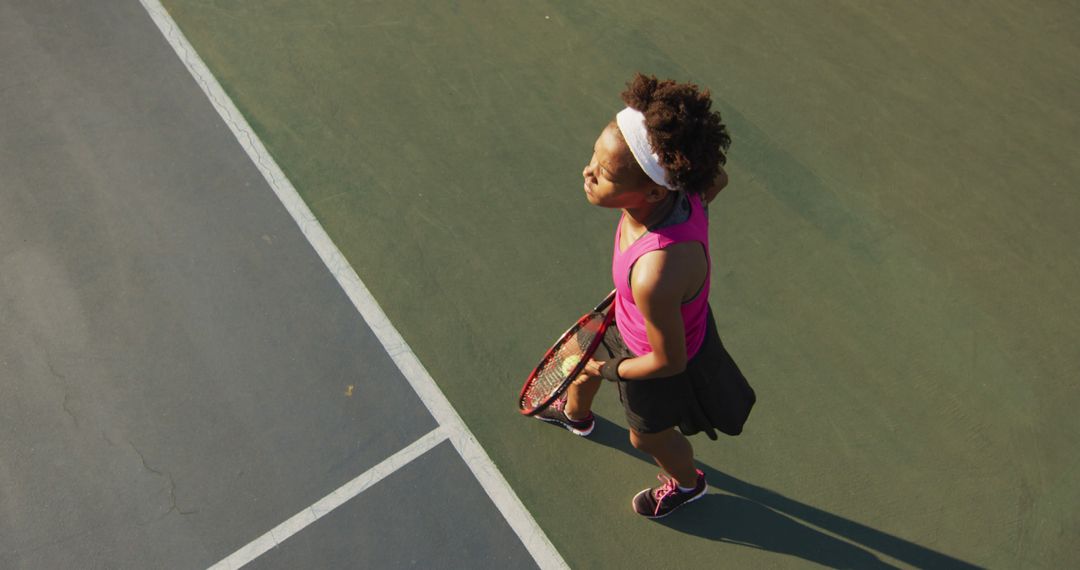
690	139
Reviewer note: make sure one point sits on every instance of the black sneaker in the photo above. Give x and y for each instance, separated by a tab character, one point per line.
554	414
658	502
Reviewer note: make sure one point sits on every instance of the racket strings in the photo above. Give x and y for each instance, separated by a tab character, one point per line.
556	370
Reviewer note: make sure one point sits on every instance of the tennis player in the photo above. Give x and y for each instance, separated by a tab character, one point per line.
661	162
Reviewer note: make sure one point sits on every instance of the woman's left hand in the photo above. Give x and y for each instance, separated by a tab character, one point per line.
592	368
591	371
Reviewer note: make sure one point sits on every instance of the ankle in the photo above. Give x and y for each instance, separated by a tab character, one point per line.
577	415
682	482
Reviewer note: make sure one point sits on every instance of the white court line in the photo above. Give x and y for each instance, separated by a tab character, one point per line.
323	506
504	498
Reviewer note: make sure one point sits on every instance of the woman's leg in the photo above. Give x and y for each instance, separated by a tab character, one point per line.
671	451
579	397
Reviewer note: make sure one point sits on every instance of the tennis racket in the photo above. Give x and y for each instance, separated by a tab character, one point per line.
565	359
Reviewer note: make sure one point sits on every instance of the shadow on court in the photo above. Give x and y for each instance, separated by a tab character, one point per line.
756	517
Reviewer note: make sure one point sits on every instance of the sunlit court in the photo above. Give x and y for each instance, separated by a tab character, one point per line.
276	277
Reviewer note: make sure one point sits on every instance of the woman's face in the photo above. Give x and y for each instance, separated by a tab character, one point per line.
613	178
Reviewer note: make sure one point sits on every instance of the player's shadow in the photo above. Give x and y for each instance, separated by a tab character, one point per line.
756	517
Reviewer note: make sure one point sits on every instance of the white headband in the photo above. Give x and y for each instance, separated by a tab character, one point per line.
632	124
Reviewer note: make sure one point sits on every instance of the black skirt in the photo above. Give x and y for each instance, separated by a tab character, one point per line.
711	394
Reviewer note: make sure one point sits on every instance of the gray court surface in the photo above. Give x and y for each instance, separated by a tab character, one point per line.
442	537
179	373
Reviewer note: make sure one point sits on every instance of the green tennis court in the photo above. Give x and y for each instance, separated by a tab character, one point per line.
893	259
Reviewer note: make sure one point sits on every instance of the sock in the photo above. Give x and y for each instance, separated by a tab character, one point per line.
685	489
586	418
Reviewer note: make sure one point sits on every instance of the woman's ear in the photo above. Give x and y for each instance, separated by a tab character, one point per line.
656	193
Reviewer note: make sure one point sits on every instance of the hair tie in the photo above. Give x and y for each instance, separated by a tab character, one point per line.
632	124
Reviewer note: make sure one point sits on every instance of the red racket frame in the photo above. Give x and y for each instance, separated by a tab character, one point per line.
585	356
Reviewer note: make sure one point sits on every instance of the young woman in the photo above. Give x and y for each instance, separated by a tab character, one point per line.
660	162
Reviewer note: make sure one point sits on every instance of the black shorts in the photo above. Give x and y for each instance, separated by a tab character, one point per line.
710	393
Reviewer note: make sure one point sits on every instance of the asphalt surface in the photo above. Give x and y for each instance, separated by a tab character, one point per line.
894	266
894	259
179	372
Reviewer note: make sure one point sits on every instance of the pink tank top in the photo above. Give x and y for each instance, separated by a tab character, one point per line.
694	312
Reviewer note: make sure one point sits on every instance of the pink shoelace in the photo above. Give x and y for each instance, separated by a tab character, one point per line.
670	485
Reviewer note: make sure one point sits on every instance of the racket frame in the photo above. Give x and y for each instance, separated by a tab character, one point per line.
585	355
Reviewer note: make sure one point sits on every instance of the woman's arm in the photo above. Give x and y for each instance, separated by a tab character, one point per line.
660	304
659	284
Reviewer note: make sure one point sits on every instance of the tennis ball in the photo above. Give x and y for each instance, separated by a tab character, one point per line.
568	365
